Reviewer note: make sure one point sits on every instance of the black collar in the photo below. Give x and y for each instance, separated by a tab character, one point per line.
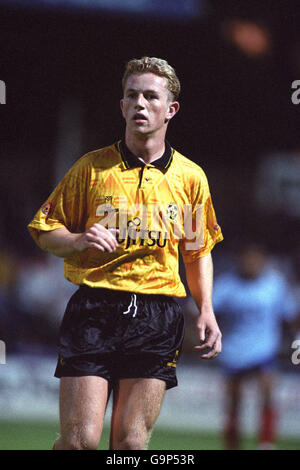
132	161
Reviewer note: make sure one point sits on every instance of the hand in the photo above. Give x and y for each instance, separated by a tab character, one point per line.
209	335
99	237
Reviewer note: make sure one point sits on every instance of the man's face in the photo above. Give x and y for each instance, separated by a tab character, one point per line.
146	106
251	263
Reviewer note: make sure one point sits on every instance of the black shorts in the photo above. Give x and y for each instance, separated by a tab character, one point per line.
116	334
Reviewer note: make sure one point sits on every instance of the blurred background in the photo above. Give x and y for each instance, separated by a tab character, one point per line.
62	63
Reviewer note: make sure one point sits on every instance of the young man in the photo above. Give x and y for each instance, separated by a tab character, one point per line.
118	218
252	302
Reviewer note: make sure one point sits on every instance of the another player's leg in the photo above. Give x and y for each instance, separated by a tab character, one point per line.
82	407
232	436
268	417
137	404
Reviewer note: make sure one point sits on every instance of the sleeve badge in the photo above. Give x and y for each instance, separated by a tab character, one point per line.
46	208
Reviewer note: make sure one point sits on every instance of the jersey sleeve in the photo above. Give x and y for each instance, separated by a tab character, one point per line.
66	205
201	230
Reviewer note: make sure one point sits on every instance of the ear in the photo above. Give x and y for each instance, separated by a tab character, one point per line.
173	108
122	106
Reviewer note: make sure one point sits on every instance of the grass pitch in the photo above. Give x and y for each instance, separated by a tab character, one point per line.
41	435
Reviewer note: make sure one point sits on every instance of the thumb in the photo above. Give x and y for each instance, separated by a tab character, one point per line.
201	331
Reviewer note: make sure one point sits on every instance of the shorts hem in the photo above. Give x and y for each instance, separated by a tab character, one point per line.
169	382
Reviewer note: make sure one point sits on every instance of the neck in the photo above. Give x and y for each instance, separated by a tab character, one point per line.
147	148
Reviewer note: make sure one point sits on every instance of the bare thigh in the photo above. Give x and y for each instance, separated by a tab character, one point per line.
82	408
137	404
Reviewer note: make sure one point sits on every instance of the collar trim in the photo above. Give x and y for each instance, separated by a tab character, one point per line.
130	160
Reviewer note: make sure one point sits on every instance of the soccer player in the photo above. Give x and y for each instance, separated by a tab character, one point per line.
118	218
251	304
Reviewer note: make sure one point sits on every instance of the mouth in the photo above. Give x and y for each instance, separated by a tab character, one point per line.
139	117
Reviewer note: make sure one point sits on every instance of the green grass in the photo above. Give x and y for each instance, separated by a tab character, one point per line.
41	435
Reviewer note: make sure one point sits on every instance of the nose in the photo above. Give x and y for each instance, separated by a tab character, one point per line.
139	101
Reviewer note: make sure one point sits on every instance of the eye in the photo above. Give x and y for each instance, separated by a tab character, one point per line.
151	97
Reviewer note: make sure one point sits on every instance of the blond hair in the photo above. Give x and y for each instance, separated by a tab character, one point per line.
157	66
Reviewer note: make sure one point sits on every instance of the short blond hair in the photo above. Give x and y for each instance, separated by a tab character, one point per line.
157	66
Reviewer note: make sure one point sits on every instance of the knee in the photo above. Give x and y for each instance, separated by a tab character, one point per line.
133	441
85	439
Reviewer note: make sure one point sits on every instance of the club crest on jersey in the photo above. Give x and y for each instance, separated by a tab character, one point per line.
108	205
46	208
172	211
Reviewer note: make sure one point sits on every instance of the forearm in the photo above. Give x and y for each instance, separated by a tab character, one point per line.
199	275
59	242
62	243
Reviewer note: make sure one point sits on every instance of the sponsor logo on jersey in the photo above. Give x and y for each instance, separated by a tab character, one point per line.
133	233
155	223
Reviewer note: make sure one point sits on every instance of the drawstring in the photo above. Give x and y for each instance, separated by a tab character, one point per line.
133	302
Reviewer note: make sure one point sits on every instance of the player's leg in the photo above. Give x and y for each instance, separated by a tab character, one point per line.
268	417
232	399
137	404
151	347
82	407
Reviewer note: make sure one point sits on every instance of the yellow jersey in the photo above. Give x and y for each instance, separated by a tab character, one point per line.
159	208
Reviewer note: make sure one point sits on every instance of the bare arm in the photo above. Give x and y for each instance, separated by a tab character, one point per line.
199	275
62	243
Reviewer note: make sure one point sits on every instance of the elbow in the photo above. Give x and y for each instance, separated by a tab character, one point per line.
45	245
43	240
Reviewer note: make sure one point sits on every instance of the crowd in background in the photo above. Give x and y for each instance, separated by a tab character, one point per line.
237	121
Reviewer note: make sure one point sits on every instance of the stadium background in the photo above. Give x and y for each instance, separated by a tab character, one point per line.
62	63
